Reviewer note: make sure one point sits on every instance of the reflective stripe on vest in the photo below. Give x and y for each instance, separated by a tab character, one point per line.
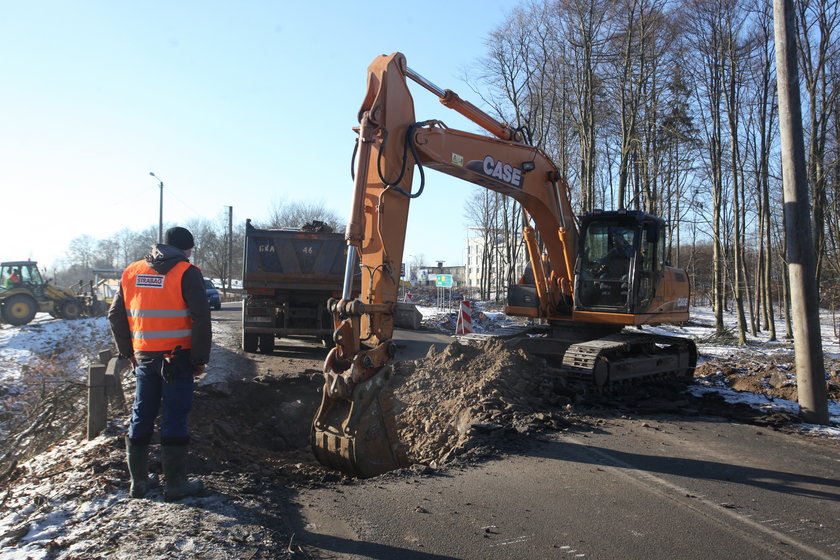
158	316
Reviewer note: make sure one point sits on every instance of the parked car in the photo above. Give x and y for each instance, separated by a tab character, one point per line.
214	298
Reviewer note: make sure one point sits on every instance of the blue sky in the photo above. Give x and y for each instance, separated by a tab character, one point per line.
230	103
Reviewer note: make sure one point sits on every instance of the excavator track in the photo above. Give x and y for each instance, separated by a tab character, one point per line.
608	360
622	357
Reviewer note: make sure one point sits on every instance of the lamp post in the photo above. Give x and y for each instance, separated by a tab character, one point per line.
230	248
160	219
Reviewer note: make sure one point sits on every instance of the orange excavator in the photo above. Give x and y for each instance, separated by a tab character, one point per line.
588	277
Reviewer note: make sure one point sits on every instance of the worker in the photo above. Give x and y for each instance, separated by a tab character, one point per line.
160	321
617	260
614	270
14	278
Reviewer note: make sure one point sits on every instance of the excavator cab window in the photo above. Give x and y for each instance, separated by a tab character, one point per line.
606	266
650	261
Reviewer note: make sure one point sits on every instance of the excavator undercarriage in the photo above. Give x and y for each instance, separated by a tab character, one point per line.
607	361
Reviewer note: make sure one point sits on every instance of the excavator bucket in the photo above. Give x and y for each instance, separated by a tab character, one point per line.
355	428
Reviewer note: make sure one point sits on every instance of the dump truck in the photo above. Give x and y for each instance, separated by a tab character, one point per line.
288	276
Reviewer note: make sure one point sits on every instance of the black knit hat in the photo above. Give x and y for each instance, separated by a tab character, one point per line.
179	237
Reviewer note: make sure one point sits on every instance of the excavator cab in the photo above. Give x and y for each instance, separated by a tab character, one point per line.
621	257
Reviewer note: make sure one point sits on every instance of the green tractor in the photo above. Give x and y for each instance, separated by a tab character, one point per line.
24	292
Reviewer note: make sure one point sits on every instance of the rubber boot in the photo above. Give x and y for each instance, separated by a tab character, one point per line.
174	461
137	456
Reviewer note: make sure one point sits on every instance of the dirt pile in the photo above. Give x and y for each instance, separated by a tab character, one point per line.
777	380
453	402
450	403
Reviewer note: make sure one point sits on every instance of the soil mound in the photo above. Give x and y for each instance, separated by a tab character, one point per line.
448	403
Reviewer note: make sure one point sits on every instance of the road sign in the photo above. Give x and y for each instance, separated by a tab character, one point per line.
402	270
443	280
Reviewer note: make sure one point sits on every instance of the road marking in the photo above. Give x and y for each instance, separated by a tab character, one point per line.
566	549
679	494
517	540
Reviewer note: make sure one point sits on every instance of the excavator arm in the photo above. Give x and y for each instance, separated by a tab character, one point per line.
354	429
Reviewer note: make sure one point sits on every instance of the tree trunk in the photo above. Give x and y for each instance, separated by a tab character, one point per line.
813	400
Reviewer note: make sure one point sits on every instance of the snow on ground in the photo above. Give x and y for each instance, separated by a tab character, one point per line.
74	343
770	404
61	514
700	328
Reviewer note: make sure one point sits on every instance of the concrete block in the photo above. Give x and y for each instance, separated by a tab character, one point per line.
406	316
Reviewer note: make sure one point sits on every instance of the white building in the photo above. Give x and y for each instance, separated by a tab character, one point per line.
475	246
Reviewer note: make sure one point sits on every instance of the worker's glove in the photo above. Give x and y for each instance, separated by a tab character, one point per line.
198	370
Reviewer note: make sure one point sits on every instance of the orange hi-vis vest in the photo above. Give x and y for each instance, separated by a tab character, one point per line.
158	316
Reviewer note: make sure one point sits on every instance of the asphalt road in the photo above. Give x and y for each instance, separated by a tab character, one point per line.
635	488
647	487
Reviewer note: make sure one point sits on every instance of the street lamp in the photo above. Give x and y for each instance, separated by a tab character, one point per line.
160	222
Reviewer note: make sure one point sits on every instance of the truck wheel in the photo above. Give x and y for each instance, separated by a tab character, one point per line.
267	343
19	309
249	342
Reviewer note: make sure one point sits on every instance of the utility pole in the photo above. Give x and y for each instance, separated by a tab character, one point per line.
160	217
804	295
230	248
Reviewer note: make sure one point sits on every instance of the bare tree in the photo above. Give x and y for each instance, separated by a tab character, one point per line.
628	76
733	22
761	139
82	251
584	27
124	239
677	145
107	253
818	44
299	213
481	213
211	247
704	34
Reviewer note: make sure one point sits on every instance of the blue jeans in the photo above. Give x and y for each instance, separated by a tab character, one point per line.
153	393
